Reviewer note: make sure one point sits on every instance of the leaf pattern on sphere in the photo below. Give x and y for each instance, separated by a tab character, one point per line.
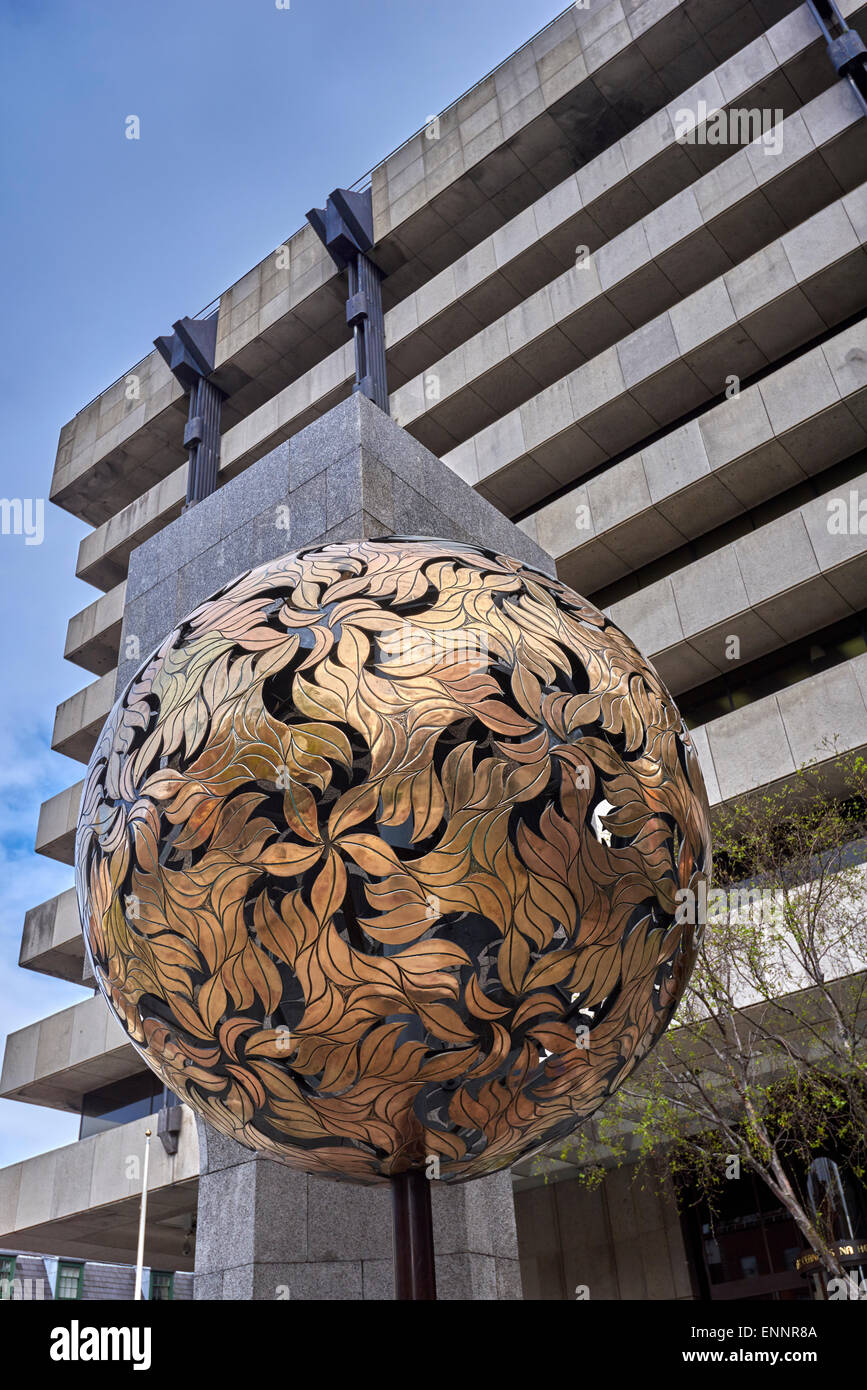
369	838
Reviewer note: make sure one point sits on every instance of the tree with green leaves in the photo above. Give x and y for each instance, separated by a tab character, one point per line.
766	1059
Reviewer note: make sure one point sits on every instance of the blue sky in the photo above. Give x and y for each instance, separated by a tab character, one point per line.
249	115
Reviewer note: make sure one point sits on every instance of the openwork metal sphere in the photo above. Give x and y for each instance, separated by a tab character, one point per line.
377	859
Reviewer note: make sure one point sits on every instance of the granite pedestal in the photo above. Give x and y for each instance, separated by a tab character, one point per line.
350	475
264	1231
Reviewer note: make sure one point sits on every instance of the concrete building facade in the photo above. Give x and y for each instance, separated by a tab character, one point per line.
638	349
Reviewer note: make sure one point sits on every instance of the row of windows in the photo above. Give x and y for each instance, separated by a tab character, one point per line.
788	665
70	1280
727	532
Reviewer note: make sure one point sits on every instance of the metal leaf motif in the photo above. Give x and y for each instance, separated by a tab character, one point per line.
377	859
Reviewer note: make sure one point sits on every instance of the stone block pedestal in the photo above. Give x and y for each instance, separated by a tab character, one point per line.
264	1231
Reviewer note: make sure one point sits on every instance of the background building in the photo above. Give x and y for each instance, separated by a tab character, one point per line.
638	331
25	1276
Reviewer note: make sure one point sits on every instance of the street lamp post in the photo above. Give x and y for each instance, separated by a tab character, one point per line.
139	1259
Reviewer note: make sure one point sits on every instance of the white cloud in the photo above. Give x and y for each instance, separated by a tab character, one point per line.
30	773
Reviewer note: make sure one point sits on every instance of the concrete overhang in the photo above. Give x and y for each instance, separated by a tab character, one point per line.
800	420
771	586
51	942
763	745
93	635
84	1199
57	1060
604	198
580	85
792	291
58	818
79	719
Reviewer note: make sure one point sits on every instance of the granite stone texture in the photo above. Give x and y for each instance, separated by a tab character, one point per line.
352	474
267	1232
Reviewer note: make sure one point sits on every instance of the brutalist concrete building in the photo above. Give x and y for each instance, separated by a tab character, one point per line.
624	283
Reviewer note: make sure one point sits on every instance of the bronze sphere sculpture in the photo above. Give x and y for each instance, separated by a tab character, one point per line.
377	859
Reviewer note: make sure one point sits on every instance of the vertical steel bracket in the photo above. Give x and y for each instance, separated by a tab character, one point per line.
345	228
845	48
189	354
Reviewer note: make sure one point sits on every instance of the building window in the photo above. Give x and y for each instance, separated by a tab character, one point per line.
162	1284
133	1098
776	671
7	1274
744	1249
69	1279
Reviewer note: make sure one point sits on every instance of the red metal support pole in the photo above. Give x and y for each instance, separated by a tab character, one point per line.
414	1266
